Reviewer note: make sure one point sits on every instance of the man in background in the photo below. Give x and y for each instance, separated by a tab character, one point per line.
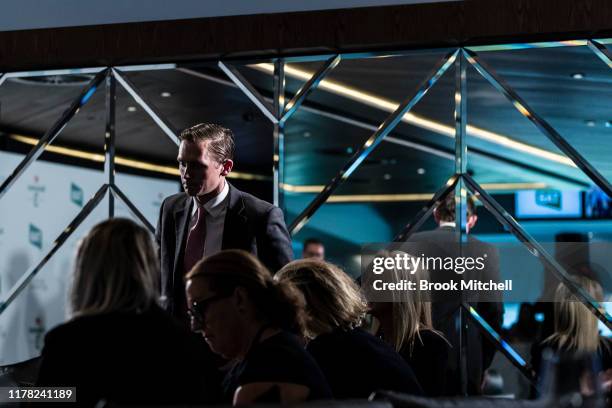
444	242
313	248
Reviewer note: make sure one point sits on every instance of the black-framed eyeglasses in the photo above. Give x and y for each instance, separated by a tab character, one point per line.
198	309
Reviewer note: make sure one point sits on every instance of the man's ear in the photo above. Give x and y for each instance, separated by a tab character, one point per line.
227	167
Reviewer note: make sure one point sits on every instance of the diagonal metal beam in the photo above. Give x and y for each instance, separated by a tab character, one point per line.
59	241
249	90
524	109
536	249
427	209
2	78
500	344
157	117
133	209
55	130
308	87
601	51
373	141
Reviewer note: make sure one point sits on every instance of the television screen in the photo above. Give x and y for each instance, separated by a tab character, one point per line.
597	204
548	204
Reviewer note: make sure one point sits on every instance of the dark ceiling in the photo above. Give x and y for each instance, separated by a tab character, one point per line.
317	145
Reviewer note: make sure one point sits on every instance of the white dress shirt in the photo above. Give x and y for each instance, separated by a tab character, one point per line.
215	208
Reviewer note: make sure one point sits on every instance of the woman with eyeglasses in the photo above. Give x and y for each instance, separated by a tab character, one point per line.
245	316
355	362
119	346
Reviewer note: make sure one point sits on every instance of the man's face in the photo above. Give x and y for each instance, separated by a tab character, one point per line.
316	251
200	172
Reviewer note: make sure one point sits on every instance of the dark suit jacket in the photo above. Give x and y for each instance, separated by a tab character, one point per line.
250	224
129	358
480	351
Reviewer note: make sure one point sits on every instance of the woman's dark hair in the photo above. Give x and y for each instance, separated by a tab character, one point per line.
277	303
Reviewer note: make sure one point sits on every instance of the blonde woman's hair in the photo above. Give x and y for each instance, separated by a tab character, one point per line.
575	325
410	309
115	269
333	300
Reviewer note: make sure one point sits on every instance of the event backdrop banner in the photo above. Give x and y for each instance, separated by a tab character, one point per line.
33	213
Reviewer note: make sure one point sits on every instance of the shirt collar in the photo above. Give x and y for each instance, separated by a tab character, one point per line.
215	205
447	224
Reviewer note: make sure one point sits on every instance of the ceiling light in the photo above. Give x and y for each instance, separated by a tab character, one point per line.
124	161
306	134
589	123
387	176
131	109
420	171
609	123
578	75
165	94
417	120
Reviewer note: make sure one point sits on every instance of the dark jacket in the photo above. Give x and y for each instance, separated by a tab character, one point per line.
479	350
129	358
250	224
356	364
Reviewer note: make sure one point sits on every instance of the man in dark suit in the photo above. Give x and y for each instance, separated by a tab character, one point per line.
212	215
444	242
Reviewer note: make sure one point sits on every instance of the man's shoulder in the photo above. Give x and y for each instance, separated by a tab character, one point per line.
254	204
175	200
428	235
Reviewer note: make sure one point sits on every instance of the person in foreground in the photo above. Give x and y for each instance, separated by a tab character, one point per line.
119	345
244	315
354	362
405	323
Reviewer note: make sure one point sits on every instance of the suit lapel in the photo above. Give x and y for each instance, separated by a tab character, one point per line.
236	222
182	215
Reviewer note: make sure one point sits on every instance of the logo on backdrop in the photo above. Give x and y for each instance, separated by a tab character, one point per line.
76	194
549	198
35	236
36	189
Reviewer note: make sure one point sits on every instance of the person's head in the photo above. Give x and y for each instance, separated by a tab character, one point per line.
313	248
115	269
445	212
410	311
231	295
333	300
205	157
575	325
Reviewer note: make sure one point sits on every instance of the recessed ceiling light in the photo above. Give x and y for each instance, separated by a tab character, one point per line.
387	176
306	134
609	123
131	109
578	75
589	123
420	170
349	150
165	94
